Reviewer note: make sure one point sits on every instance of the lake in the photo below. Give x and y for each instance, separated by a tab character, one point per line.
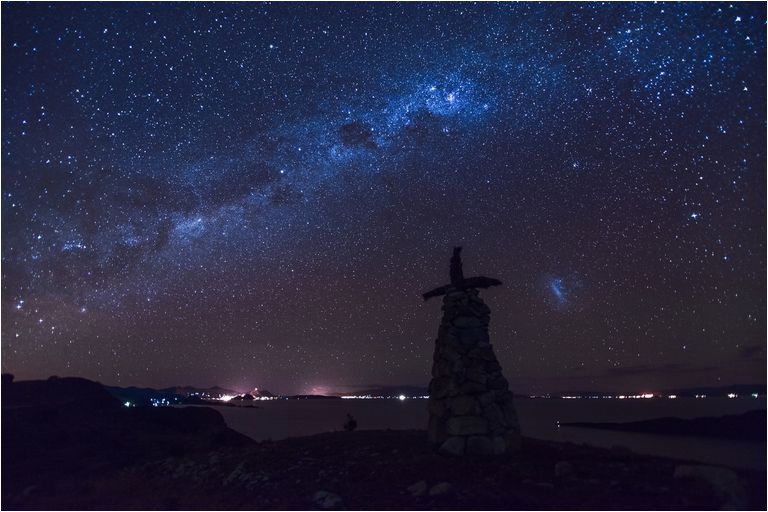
280	419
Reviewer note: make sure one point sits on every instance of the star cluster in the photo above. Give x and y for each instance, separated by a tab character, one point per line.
257	194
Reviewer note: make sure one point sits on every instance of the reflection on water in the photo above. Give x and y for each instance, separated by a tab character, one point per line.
279	419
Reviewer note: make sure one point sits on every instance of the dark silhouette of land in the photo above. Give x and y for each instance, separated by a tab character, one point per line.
68	444
749	426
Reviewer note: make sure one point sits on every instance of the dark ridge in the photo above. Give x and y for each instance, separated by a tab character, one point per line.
749	426
312	397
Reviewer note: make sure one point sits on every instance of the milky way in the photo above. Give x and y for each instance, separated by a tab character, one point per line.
257	195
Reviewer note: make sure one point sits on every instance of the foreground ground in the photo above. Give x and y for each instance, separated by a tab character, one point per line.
159	459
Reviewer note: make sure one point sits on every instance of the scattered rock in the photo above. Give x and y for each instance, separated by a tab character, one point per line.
462	404
564	470
326	500
472	388
465	322
499	445
438	489
479	445
235	474
621	450
454	445
724	482
466	425
418	488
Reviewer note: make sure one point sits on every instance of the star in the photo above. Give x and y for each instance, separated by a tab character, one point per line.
211	203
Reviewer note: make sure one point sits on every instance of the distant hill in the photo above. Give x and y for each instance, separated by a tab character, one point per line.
739	389
749	426
214	391
144	396
710	391
407	391
178	394
312	397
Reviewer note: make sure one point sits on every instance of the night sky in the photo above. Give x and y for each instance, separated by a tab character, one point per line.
258	194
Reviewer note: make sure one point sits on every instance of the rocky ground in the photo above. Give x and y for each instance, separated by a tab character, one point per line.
167	459
386	470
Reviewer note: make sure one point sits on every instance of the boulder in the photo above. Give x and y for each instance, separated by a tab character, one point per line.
494	415
472	338
513	439
498	382
472	388
499	445
449	353
466	425
441	387
438	489
441	367
479	445
326	500
467	322
508	407
484	353
463	405
476	376
418	488
564	470
486	398
724	482
454	445
437	407
436	429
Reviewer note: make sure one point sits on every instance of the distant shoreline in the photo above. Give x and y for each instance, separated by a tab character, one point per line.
748	426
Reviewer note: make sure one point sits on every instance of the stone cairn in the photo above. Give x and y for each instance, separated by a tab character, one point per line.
471	409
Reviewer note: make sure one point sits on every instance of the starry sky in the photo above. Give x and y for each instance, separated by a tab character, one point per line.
257	194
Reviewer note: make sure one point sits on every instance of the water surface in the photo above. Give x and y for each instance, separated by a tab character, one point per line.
280	419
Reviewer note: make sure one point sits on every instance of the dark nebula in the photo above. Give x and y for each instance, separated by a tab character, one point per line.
257	195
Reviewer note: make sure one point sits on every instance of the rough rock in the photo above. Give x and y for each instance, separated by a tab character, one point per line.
479	445
724	482
454	445
472	388
499	445
564	470
463	404
438	489
471	410
326	500
466	425
418	488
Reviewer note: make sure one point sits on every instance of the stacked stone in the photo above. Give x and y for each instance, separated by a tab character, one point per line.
471	409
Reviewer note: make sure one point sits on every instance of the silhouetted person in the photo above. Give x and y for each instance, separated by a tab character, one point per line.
350	424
